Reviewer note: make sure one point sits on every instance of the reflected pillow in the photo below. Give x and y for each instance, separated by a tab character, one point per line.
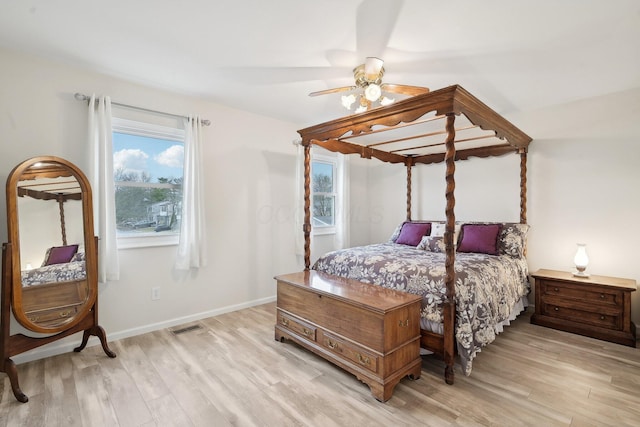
479	238
412	232
61	254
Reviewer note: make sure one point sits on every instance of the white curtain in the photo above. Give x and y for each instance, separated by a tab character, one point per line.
342	202
192	250
104	205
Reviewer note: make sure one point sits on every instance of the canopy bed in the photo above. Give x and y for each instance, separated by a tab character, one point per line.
445	125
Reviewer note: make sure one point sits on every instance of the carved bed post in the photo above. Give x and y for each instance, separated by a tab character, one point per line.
450	281
409	164
523	186
306	227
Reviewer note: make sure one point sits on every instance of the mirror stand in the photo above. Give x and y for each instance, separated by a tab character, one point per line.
12	345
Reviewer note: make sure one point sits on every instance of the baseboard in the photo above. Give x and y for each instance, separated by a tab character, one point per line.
68	344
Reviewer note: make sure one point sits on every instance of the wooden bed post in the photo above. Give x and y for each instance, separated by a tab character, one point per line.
523	186
306	227
449	308
409	164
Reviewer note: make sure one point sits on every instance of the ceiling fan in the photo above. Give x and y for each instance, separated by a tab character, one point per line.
369	87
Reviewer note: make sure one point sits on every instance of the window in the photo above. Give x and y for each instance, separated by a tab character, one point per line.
323	188
148	173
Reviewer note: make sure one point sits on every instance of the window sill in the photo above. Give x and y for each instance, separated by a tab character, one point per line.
324	231
147	241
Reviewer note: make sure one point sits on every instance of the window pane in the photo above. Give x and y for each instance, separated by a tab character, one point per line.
148	184
322	177
323	210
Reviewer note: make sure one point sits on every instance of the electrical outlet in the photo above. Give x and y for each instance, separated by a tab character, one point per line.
155	293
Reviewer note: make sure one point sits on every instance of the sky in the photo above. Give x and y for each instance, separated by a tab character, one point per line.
161	158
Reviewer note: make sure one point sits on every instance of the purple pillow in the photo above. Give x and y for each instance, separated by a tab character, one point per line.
412	232
480	238
61	254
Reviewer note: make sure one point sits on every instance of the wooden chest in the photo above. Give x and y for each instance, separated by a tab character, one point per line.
368	330
597	306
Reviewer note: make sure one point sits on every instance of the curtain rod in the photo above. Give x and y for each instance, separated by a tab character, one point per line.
82	97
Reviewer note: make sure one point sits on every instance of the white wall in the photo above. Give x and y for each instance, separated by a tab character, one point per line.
249	171
583	178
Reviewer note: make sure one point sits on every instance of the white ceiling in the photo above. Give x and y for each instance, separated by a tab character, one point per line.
265	56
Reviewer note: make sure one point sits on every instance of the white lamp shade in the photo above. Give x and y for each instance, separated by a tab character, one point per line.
581	259
372	92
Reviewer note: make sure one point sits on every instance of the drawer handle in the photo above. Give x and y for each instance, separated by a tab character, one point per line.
284	321
602	296
307	332
556	289
556	308
65	313
403	324
332	345
34	319
602	317
364	360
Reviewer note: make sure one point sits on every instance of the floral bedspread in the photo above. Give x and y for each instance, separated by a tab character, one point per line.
66	272
487	286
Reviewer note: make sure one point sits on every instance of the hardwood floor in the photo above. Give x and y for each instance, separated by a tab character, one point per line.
231	371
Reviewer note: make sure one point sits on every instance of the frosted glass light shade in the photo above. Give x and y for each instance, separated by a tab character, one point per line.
372	92
581	260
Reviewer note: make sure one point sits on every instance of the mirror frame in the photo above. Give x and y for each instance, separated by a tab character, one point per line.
28	170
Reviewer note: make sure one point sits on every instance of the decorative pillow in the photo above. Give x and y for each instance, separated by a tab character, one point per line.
61	254
78	256
432	244
438	229
396	233
513	239
46	257
412	232
479	238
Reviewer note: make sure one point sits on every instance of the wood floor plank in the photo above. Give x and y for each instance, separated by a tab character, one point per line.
230	371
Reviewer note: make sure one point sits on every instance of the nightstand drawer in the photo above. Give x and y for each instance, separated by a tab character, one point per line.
608	320
590	294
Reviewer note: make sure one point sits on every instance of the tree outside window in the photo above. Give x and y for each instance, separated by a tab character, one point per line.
324	196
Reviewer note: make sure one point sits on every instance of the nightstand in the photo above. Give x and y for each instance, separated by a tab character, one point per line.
595	306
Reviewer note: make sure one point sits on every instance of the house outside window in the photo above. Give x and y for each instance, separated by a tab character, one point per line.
323	185
148	162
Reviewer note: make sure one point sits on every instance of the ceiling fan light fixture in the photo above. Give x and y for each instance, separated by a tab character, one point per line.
373	68
384	101
372	92
348	100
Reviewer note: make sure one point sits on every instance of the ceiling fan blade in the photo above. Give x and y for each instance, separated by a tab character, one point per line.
334	90
375	21
404	89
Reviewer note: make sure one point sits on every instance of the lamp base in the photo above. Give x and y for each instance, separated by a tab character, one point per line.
582	274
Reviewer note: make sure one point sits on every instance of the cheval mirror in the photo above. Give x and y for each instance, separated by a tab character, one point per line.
49	264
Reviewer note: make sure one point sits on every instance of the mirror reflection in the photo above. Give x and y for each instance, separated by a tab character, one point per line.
52	254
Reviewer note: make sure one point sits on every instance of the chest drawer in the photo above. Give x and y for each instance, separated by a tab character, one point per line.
349	351
296	325
591	294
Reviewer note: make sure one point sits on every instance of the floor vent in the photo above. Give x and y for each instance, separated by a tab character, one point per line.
185	329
